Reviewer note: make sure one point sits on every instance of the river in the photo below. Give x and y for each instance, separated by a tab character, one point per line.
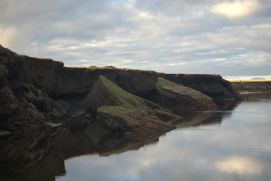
236	147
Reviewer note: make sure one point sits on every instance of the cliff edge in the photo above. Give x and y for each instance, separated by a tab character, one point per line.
38	96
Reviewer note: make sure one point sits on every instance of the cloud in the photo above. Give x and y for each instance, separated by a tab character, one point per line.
209	152
8	35
236	9
176	36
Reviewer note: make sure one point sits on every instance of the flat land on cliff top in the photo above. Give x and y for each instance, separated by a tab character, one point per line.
253	88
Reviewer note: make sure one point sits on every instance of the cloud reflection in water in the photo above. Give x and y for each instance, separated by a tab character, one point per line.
238	149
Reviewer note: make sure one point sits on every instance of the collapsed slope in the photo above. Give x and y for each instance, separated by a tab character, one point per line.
213	86
43	89
121	111
181	99
40	95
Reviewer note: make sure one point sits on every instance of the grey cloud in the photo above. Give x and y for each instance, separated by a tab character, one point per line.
167	36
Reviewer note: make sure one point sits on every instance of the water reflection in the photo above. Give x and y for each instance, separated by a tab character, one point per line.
231	145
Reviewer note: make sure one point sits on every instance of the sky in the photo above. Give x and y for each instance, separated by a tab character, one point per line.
227	37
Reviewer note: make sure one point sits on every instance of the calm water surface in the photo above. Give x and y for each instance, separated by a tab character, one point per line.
238	148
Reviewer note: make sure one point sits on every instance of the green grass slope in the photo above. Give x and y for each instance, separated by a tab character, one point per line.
182	99
120	110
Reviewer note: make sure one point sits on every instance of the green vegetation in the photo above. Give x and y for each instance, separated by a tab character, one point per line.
101	68
118	69
180	89
135	117
164	82
196	119
131	107
127	99
166	113
127	114
115	110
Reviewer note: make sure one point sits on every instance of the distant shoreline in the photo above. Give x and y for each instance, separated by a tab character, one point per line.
251	81
253	89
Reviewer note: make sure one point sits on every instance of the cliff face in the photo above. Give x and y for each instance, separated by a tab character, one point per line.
213	86
38	96
61	81
182	99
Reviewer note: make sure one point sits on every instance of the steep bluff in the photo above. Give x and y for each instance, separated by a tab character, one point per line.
40	96
61	81
213	86
181	99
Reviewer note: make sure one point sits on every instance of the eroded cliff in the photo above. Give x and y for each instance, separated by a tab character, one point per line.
40	96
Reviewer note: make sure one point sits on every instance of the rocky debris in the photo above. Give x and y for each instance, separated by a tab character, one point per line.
8	102
122	119
38	97
4	133
213	86
121	111
78	120
3	73
182	99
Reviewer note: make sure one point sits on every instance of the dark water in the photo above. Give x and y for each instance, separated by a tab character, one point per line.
220	146
237	148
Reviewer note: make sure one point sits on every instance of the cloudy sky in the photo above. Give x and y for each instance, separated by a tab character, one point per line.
227	37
